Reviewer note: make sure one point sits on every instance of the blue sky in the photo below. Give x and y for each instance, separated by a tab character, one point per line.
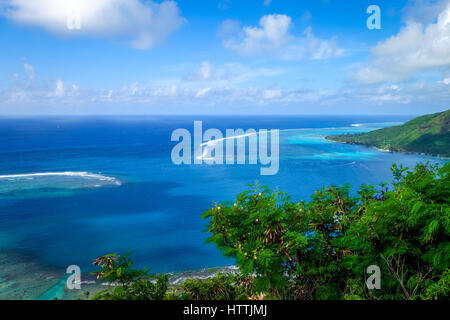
223	57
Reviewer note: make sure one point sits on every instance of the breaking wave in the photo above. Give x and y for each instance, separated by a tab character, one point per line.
87	175
42	183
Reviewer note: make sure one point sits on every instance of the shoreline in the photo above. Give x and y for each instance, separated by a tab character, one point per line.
388	150
24	276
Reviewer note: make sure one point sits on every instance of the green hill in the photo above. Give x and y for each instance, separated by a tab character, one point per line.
427	134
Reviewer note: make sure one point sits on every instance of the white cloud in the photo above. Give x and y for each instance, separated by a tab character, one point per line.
29	70
229	74
59	89
272	33
205	72
141	24
181	94
416	48
14	77
228	28
272	37
229	85
271	94
320	49
424	11
202	92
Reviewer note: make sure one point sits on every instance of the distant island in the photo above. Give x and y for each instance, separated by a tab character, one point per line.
427	134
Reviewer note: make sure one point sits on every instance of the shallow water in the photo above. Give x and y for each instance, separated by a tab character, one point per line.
117	189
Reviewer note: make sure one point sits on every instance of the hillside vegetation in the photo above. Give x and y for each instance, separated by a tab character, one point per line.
318	249
427	134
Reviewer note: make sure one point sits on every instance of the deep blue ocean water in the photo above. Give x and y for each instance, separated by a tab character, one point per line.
154	212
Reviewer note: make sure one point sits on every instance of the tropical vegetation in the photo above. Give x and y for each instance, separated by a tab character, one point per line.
321	248
429	134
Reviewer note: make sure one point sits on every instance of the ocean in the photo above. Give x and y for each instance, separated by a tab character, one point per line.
74	188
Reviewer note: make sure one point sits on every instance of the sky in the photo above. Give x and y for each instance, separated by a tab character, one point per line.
243	57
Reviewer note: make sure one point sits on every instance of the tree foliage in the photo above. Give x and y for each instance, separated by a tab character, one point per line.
220	287
318	249
321	249
128	283
428	134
